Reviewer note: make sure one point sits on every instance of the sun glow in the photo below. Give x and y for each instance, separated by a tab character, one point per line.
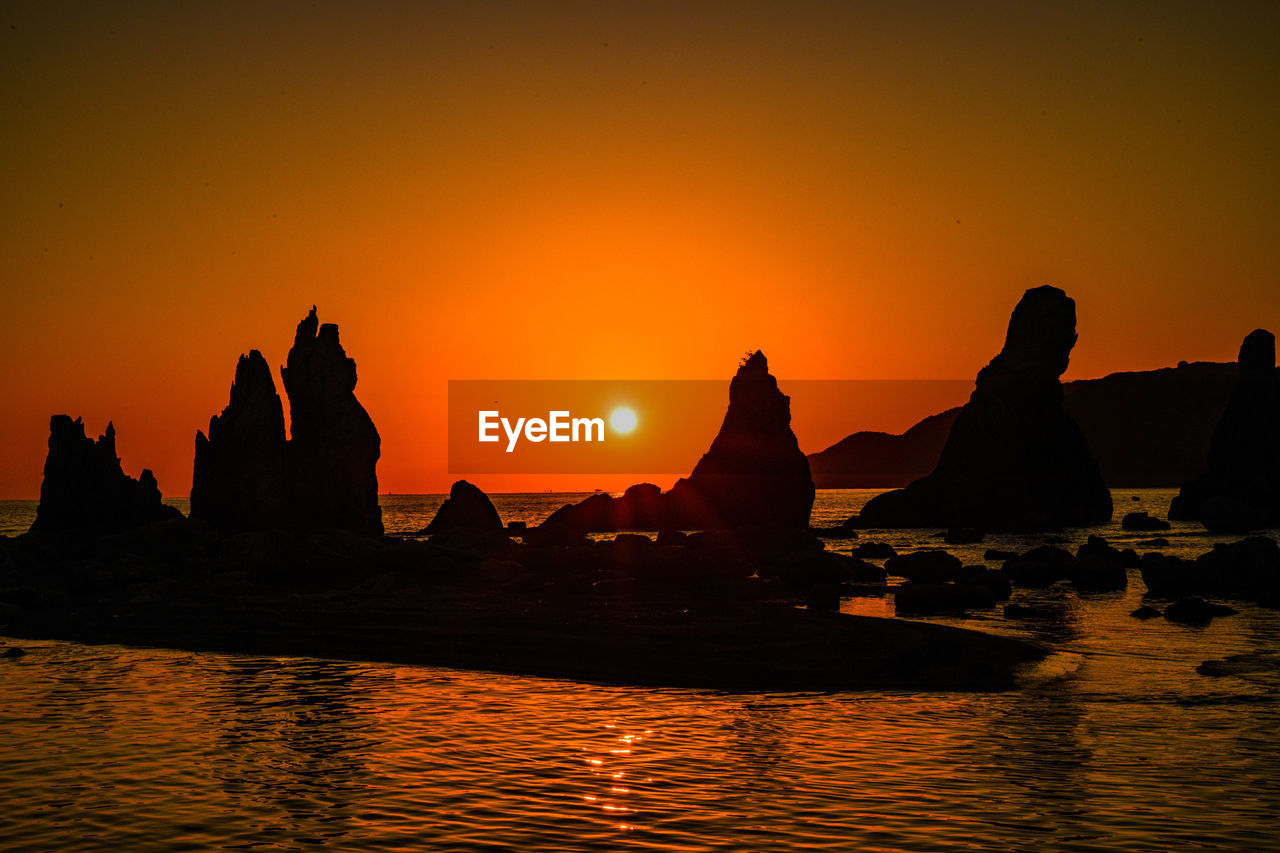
622	420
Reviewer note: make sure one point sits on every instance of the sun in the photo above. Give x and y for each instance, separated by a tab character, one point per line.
622	419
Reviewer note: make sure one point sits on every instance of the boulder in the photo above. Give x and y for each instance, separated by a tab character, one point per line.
1014	460
875	550
1240	490
85	490
1196	611
466	508
239	477
333	452
1099	567
1041	567
928	567
1143	521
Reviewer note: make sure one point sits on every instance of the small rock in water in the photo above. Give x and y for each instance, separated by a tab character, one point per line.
1146	611
1196	611
1158	542
875	550
994	555
13	652
1143	521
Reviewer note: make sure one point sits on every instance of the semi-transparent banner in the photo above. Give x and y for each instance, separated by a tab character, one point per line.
649	426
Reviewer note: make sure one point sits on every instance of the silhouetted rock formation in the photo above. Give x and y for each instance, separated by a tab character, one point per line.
248	477
754	474
1014	459
466	508
239	477
334	447
1240	490
84	489
1147	428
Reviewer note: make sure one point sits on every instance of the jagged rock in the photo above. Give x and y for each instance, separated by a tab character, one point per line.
1143	521
466	508
1014	459
239	477
86	491
1196	611
1240	490
753	476
333	451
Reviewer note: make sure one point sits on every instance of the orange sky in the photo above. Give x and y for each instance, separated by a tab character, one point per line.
535	190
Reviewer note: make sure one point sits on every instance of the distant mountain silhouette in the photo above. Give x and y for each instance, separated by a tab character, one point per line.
1148	428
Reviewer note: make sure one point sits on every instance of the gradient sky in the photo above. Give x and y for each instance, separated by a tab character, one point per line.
595	190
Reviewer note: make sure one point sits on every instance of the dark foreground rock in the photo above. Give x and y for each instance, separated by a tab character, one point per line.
1240	490
1014	459
85	491
710	612
753	475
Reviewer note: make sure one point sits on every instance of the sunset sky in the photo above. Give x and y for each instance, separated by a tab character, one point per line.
603	190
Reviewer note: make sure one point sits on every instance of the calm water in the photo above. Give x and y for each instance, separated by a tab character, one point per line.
107	748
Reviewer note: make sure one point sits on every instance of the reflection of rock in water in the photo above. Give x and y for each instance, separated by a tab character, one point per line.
298	740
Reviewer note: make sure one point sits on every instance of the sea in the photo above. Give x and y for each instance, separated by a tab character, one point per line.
1117	743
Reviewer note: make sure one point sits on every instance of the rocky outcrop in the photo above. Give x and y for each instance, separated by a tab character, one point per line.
1149	428
753	475
466	508
248	477
1240	490
1014	459
86	491
239	477
333	451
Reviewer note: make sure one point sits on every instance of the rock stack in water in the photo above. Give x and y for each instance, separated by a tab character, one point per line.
466	508
1240	490
1014	460
86	491
239	477
333	446
247	476
753	475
